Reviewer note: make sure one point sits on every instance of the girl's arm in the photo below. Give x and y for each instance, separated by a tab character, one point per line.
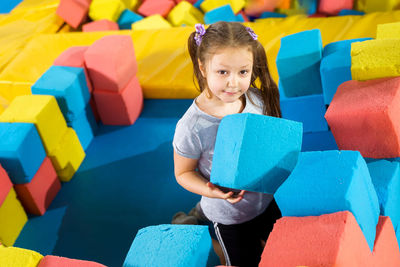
187	176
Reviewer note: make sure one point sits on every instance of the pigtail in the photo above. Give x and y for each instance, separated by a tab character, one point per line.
193	52
268	88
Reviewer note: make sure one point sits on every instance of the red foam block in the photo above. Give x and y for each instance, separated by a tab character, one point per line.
111	62
120	108
53	261
100	25
73	12
152	7
5	185
328	240
37	195
333	7
386	249
365	116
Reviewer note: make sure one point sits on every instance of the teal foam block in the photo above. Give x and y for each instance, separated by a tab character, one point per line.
21	151
222	13
350	12
170	245
255	152
298	63
267	14
126	19
336	66
318	141
385	176
82	124
68	85
329	181
309	6
309	110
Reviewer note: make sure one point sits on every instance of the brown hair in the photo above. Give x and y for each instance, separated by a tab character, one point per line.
234	34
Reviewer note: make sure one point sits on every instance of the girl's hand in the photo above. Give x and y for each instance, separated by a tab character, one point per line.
229	196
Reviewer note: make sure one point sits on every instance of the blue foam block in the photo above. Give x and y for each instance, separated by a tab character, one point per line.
222	13
68	85
21	151
336	66
330	181
126	19
310	6
318	141
281	91
385	176
170	245
309	110
267	14
298	63
255	152
198	3
82	125
240	18
350	12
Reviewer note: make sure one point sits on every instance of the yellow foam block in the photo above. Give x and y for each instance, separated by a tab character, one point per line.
236	5
131	4
185	13
18	257
68	155
375	59
151	23
380	5
12	220
106	9
43	111
388	31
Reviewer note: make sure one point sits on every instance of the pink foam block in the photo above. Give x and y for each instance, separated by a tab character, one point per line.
51	261
37	195
386	249
365	116
190	1
100	25
333	7
152	7
111	62
73	57
5	185
328	240
73	12
120	108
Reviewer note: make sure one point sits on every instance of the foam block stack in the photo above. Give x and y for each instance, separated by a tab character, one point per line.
74	12
126	19
248	155
100	25
12	214
331	181
365	116
170	245
17	257
298	63
117	92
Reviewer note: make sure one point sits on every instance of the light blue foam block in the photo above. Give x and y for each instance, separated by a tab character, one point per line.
198	3
255	152
336	66
350	12
330	181
267	14
309	6
309	110
126	19
82	125
170	246
385	176
318	141
21	151
222	13
298	63
68	85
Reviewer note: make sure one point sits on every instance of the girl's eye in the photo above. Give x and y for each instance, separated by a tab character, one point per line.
244	72
222	72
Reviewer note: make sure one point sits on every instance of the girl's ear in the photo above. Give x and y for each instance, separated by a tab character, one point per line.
201	67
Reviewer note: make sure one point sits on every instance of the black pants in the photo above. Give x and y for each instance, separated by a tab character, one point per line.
241	243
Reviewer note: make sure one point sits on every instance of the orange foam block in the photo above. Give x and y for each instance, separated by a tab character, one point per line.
386	249
37	195
365	116
333	7
73	12
5	185
328	240
152	7
52	261
111	62
120	108
100	25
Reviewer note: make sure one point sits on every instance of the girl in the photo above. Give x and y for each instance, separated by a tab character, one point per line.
228	62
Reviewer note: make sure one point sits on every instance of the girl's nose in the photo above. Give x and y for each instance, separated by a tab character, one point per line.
233	81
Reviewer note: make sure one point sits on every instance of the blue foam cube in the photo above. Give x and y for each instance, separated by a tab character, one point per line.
68	85
240	18
170	245
222	13
309	110
126	19
21	151
198	3
385	176
318	141
255	152
267	14
298	63
350	12
83	126
330	181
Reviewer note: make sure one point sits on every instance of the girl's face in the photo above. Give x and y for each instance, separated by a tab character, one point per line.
228	73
